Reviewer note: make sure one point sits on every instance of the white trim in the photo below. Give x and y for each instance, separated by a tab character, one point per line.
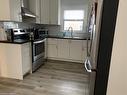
69	60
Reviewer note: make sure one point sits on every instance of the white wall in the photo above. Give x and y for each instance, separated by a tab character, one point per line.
74	5
117	84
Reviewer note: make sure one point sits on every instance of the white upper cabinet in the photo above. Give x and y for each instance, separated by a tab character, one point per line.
55	12
10	10
45	12
50	12
35	7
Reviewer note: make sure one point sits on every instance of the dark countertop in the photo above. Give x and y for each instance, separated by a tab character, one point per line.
56	37
50	36
67	35
71	38
16	41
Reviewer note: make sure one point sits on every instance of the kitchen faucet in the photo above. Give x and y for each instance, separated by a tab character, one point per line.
70	29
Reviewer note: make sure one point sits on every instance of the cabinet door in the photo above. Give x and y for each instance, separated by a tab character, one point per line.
10	61
76	49
45	11
63	48
26	58
15	10
38	11
55	12
52	47
35	7
52	50
10	10
52	41
4	10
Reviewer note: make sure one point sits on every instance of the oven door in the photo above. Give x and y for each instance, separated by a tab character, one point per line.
38	49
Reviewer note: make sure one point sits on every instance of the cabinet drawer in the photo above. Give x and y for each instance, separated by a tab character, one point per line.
52	41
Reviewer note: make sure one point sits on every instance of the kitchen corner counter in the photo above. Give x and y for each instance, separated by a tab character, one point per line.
16	41
15	59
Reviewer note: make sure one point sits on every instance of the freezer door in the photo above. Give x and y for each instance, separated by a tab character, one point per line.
92	76
92	82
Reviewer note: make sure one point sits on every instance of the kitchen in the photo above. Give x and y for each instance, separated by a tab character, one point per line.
44	43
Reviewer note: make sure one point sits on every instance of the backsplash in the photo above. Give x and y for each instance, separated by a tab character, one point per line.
53	30
8	25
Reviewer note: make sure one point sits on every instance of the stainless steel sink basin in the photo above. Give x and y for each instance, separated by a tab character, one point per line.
67	37
76	37
72	37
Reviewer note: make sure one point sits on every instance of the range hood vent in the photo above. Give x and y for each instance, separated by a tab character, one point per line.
25	11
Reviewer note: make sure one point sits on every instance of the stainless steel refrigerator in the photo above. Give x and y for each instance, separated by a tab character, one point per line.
92	43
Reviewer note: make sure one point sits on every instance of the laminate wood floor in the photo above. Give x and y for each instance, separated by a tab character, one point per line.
53	78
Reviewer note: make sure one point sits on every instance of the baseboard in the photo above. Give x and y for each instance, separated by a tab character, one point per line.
68	60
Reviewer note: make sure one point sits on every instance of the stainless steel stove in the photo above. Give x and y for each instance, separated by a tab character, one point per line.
38	48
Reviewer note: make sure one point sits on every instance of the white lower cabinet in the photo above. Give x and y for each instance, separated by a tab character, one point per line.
63	48
76	49
52	48
67	49
26	58
15	60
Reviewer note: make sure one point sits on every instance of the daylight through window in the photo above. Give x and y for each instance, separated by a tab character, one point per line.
74	19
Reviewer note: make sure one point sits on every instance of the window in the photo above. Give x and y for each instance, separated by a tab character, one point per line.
74	19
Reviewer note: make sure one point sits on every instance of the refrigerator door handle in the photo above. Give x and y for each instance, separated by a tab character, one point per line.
88	66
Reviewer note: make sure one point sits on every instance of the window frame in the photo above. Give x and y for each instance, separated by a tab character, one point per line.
74	20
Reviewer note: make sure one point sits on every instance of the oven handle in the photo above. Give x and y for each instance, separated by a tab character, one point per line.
38	42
